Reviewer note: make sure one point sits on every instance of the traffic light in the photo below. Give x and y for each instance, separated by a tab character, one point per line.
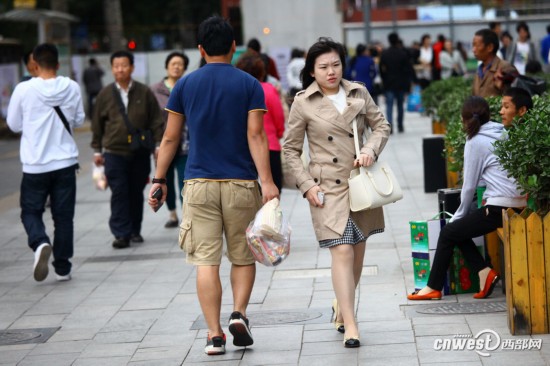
131	44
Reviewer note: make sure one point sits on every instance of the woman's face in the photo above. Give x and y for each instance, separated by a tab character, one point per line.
522	34
427	42
175	67
327	72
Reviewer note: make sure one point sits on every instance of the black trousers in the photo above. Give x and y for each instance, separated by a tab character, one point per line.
127	177
460	233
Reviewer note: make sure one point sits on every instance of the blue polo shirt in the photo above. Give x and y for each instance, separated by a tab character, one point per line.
215	101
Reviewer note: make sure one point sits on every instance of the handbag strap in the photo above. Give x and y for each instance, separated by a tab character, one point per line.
63	119
356	138
122	110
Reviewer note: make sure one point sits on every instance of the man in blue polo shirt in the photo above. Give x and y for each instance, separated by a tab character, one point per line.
223	108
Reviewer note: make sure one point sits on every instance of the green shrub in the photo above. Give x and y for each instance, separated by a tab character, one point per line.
525	154
437	91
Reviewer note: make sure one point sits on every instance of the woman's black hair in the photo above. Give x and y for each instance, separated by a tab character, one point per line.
475	112
177	54
322	46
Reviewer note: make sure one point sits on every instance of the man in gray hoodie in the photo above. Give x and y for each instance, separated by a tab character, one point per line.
45	109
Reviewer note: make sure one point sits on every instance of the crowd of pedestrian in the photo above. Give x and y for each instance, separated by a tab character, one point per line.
219	130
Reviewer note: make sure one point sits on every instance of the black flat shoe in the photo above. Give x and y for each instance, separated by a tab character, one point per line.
351	342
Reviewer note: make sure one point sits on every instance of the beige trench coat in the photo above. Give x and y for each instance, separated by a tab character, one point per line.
332	153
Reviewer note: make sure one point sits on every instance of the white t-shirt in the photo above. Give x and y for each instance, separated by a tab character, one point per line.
522	53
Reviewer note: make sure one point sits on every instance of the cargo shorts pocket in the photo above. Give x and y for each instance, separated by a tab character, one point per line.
196	192
244	194
186	237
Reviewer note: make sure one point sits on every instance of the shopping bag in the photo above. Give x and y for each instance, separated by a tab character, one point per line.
99	178
268	235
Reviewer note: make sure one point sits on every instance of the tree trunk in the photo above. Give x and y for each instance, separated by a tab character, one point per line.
113	24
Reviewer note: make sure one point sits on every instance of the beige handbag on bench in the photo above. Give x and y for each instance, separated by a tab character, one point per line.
373	186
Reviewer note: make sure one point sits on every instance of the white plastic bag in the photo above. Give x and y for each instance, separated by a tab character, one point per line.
268	235
98	175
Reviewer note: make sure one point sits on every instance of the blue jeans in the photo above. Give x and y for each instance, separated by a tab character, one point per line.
390	96
60	185
178	164
127	177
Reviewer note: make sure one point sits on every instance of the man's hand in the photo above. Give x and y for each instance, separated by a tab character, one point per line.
153	202
269	192
98	159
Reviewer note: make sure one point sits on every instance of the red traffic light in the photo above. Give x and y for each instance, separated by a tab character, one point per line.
131	44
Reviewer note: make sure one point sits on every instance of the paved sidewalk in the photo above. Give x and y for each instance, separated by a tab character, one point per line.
138	306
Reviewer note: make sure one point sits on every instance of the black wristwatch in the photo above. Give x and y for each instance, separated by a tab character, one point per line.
159	180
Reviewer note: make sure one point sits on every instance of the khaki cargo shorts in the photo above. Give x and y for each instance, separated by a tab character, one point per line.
212	208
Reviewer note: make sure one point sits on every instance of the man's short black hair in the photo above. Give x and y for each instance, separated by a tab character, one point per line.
216	36
255	45
488	37
493	25
46	56
122	53
520	97
393	38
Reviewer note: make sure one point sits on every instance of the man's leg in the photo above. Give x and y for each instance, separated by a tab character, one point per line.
389	107
242	281
63	196
400	96
209	291
34	192
116	171
140	167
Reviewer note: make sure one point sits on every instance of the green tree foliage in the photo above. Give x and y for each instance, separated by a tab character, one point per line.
525	154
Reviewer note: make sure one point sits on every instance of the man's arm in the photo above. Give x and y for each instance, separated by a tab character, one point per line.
168	148
258	145
14	118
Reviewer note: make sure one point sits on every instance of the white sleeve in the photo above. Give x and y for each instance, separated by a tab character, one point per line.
15	113
80	116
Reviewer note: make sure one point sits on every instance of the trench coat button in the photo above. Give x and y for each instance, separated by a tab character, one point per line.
297	186
330	138
335	160
355	156
350	135
338	181
315	180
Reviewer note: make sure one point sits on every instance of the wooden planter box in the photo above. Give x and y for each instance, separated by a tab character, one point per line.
439	127
526	238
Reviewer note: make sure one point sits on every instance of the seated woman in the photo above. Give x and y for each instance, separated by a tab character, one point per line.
480	163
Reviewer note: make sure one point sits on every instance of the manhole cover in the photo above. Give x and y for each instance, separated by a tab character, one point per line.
23	336
272	318
463	308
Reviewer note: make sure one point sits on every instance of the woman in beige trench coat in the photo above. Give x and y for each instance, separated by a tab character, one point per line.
324	112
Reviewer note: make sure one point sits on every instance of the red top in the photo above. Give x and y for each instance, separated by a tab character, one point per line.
274	118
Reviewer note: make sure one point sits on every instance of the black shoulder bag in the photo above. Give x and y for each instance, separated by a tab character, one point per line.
63	119
66	124
137	138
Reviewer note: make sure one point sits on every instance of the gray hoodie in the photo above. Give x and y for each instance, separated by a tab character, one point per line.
480	163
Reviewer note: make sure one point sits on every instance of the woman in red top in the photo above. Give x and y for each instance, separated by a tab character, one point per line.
274	119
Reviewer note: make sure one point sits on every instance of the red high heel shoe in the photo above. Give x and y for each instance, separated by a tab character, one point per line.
490	282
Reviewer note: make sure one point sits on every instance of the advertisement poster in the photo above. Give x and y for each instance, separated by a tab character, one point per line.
9	77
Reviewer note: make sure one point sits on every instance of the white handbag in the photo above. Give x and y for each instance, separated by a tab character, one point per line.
373	186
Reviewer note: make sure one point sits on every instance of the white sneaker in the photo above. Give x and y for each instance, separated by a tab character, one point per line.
61	278
41	256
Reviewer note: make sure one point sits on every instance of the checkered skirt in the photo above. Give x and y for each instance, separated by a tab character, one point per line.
352	235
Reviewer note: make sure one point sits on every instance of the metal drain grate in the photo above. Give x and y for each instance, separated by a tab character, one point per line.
463	308
23	336
260	318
